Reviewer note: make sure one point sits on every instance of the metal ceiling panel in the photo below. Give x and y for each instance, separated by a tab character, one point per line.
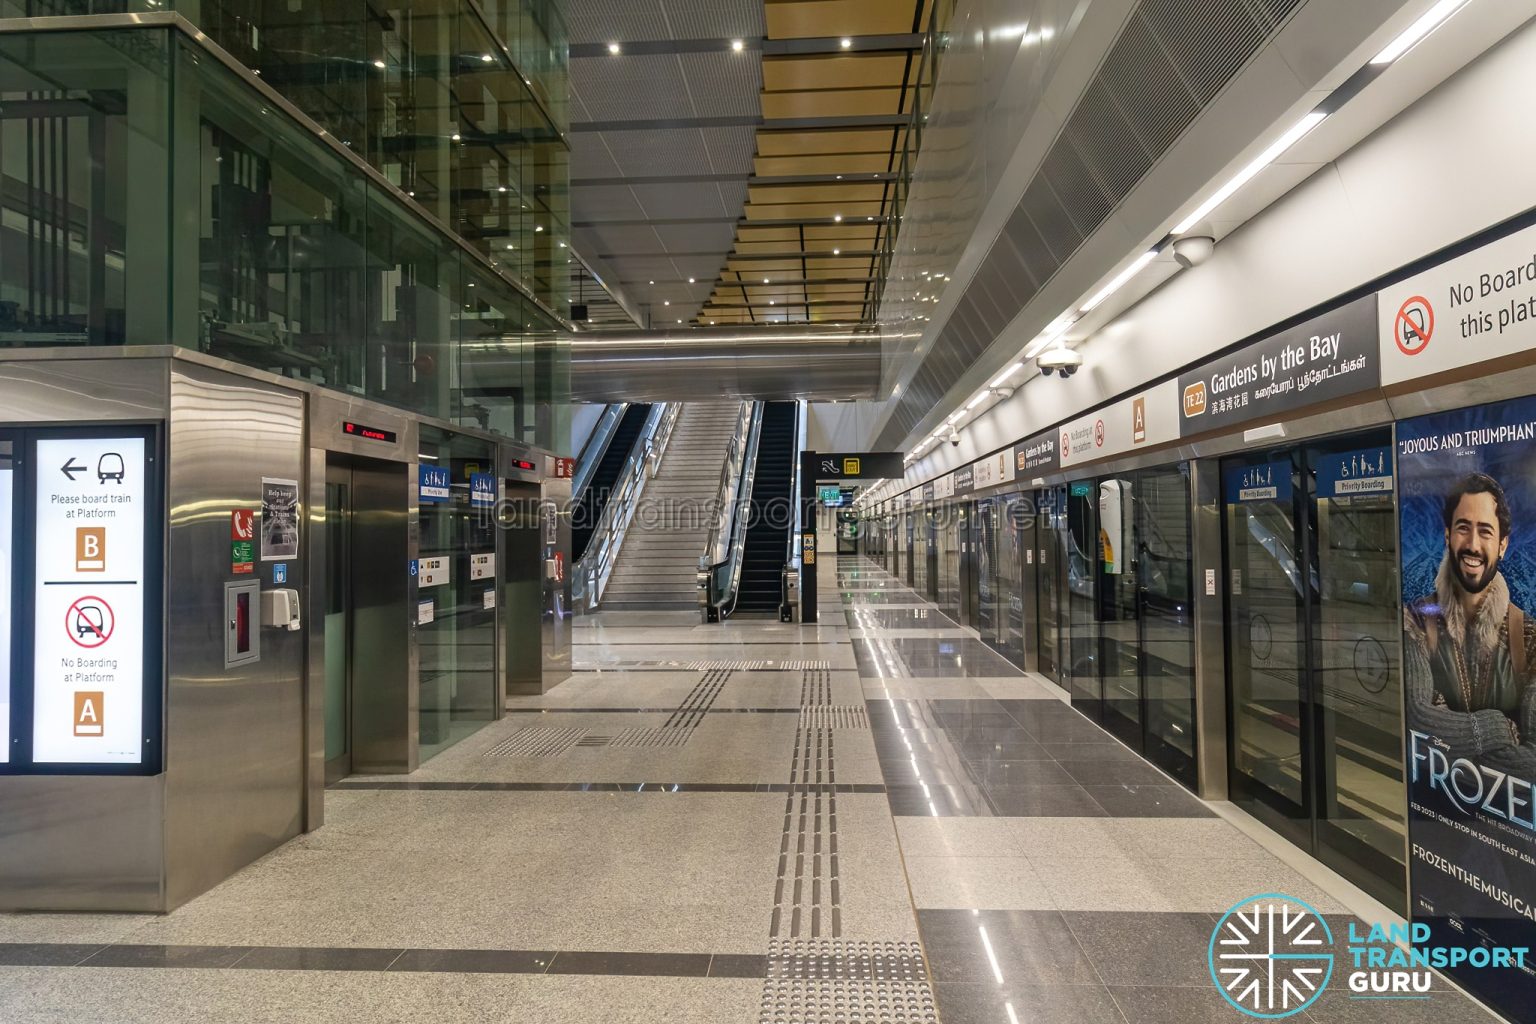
598	204
670	202
698	238
635	88
590	157
713	19
722	84
609	21
619	240
658	152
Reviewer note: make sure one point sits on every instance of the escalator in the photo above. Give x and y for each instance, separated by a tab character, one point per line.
772	511
599	485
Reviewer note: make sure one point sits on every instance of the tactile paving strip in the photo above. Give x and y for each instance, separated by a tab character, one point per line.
537	741
834	716
811	982
651	737
816	687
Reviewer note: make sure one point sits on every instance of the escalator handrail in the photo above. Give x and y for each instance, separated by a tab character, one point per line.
792	545
725	577
717	544
596	446
592	572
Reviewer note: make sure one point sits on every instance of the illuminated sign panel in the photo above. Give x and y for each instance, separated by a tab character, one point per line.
369	433
88	600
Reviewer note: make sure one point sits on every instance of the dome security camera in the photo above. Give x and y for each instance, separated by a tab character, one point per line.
954	438
1193	251
1061	360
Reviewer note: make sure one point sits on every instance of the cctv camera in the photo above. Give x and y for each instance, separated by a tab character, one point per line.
954	438
1060	358
1193	251
1003	392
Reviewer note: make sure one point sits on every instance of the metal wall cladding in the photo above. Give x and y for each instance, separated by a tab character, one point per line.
235	758
1169	62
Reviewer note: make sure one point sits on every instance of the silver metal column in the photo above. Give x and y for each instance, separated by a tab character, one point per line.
1210	630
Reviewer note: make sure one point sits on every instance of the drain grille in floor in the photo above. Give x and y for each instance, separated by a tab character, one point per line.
537	741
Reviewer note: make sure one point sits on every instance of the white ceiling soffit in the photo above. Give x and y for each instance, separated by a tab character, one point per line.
1068	234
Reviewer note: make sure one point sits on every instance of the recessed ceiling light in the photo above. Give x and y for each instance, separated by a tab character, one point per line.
501	188
770	302
455	136
1416	32
667	302
487	57
837	252
690	280
613	48
511	246
839	177
679	321
765	280
837	217
379	64
538	228
847	42
737	45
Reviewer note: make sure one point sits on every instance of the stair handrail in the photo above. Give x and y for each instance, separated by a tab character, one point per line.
596	445
728	496
727	578
591	575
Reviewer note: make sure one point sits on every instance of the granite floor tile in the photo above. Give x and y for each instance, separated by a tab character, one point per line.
965	883
1117	943
991	1003
1024	947
474	961
305	958
1155	801
958	837
1043	802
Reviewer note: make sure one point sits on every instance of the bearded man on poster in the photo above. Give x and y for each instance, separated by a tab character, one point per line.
1467	659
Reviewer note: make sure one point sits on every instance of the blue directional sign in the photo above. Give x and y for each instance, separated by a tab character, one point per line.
482	490
1341	474
1268	481
434	489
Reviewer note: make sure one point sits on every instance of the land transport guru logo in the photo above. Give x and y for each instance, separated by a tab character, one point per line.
1271	956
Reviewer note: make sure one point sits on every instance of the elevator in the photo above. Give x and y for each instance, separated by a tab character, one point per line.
365	521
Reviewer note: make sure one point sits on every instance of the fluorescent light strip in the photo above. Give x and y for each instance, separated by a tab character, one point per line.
1003	377
1242	177
1049	335
1415	33
973	403
1119	281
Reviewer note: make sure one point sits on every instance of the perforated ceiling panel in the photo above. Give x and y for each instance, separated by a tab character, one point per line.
1170	61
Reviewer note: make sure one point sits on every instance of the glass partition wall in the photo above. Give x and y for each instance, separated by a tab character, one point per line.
1130	616
157	198
458	690
1314	654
